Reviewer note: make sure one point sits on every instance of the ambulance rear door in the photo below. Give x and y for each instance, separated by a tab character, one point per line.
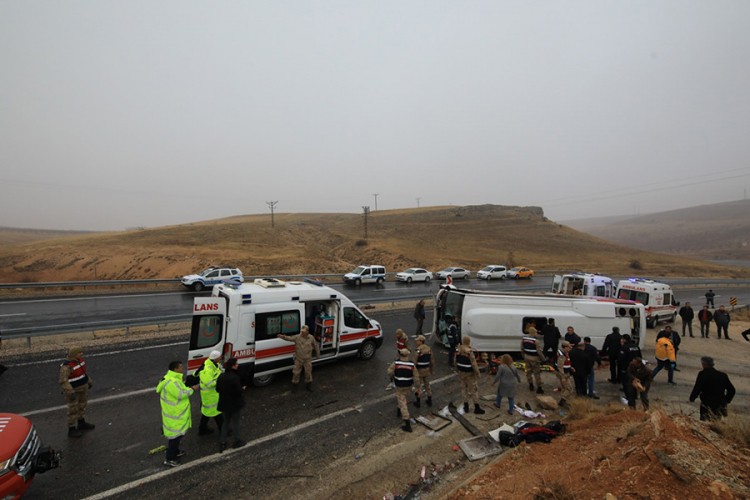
208	330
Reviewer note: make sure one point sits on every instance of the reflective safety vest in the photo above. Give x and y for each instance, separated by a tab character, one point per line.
209	397
463	362
529	346
403	373
423	359
77	376
174	397
566	361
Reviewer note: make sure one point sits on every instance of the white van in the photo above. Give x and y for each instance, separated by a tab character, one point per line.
365	274
584	285
658	298
495	321
242	321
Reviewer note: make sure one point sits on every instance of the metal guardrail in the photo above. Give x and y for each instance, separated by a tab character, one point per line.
42	331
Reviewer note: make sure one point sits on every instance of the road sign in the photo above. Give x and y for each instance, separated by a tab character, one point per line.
732	301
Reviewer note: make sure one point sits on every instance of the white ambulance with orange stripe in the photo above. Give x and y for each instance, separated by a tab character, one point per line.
243	321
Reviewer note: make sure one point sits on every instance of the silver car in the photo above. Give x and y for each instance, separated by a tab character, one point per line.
493	272
456	273
414	274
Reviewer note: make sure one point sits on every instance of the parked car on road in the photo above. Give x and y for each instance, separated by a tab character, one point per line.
520	272
456	273
212	276
414	274
493	272
365	274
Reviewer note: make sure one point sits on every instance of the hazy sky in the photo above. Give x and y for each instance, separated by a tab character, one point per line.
118	114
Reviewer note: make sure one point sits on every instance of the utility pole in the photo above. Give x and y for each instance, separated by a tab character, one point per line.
376	202
418	202
271	205
366	212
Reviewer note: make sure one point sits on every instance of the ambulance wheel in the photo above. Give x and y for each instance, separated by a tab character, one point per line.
198	286
263	380
367	350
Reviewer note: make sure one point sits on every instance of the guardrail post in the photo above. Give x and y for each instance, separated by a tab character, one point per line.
28	342
127	331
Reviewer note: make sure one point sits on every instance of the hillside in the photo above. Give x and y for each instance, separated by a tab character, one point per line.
432	237
718	231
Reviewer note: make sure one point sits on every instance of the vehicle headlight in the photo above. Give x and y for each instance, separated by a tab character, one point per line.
5	466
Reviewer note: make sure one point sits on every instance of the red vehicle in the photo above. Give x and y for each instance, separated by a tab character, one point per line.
21	455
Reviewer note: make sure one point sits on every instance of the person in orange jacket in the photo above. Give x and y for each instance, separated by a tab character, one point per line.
665	357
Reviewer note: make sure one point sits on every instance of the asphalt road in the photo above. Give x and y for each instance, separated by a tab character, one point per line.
287	431
348	405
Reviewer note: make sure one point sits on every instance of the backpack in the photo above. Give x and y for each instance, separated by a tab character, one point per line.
509	439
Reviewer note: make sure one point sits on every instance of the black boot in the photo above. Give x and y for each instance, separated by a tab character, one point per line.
478	409
407	426
539	390
84	426
466	407
308	386
74	433
417	402
398	412
429	400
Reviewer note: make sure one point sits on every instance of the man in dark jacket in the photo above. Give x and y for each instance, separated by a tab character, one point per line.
687	314
629	351
571	336
593	353
581	364
552	337
722	319
231	400
611	349
715	390
704	317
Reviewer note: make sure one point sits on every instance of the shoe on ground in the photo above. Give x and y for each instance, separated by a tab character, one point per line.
671	383
497	405
181	453
676	369
478	410
531	387
594	396
85	426
222	447
238	443
510	412
539	390
74	433
171	463
206	431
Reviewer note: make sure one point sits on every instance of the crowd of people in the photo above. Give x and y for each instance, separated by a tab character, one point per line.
573	360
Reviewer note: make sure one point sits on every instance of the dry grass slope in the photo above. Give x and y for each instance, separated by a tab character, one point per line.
431	237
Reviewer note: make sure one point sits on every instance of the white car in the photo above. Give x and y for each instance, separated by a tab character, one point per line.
414	274
212	276
493	272
455	273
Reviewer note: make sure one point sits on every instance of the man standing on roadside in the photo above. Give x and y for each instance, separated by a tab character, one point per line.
611	349
425	368
231	400
404	374
532	357
705	317
665	358
304	346
468	374
174	398
552	337
208	375
581	365
75	384
722	319
593	353
687	314
419	315
715	390
710	298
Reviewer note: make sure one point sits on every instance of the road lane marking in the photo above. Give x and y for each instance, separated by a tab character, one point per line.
216	457
108	353
12	314
98	400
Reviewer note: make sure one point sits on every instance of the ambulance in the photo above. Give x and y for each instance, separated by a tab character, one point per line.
495	321
583	284
243	321
658	298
